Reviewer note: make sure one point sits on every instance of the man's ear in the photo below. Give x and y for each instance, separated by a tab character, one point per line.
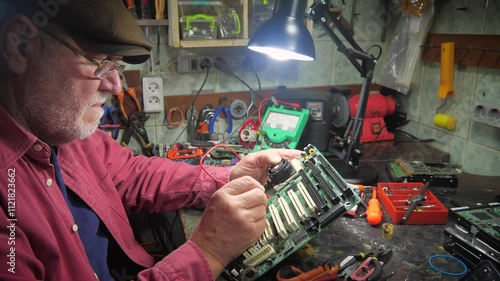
15	35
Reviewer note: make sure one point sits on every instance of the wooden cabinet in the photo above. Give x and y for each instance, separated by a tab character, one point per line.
243	10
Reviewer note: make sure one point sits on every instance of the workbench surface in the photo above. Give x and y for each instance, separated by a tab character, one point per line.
412	245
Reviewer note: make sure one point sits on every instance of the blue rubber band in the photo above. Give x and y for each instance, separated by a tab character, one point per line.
446	272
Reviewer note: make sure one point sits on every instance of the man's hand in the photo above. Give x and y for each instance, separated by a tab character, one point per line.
232	221
256	164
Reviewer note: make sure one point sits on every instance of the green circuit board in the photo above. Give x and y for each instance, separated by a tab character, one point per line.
312	196
485	219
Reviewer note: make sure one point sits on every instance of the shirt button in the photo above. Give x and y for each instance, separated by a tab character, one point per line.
48	182
96	277
74	228
37	148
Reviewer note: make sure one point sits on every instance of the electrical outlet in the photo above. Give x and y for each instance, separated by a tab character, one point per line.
152	93
248	62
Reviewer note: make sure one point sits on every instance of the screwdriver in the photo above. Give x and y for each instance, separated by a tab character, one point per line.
373	212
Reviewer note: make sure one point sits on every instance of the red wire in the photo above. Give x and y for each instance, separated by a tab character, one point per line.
295	105
208	152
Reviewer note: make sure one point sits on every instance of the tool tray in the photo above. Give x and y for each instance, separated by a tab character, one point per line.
394	197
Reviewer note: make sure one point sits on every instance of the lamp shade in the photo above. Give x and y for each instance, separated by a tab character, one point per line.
284	35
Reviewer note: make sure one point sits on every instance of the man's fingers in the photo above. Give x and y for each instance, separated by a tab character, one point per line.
241	185
274	156
252	198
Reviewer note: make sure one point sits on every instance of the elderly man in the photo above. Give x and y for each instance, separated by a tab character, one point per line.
65	186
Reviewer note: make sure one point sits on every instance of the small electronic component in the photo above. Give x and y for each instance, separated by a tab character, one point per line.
305	196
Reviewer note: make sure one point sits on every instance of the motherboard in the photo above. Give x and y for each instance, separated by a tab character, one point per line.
305	195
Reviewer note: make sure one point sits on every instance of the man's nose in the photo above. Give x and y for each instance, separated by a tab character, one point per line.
111	83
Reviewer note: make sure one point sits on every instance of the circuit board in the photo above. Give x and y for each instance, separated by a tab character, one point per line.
483	219
305	196
438	174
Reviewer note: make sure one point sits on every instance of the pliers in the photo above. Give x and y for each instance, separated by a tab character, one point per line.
136	127
222	106
111	113
127	91
371	268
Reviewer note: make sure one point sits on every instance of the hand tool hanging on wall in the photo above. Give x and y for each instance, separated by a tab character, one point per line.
125	94
136	128
222	107
110	113
446	88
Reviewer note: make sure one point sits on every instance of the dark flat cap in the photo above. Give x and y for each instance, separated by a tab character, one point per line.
105	25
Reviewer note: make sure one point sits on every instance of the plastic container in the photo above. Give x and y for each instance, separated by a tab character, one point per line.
198	27
260	11
229	23
394	197
190	8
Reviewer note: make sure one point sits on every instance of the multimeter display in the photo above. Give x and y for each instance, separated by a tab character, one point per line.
277	120
282	127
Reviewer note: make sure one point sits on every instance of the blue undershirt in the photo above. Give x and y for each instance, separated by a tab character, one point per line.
93	233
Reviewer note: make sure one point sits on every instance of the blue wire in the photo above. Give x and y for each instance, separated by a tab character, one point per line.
445	272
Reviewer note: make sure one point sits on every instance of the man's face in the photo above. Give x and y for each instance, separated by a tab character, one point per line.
61	97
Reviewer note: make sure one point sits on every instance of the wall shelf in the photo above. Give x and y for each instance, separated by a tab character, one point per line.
470	49
243	10
147	22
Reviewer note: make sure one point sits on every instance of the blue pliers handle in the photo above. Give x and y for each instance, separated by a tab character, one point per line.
109	111
228	117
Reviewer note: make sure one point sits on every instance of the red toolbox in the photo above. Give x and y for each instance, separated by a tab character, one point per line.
394	197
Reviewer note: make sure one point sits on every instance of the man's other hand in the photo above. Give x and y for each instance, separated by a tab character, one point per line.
232	222
256	164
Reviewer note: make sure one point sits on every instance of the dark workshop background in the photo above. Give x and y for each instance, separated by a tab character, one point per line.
473	145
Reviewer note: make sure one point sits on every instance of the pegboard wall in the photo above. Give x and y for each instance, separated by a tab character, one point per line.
183	102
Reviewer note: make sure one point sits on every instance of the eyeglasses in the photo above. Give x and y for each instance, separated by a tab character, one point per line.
103	67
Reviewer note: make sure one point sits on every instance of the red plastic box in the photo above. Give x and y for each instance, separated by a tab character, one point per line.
394	197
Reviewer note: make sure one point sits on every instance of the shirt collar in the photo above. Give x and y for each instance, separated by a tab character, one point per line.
15	140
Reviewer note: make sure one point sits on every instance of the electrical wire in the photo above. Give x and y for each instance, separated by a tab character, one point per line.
169	118
415	139
258	81
192	106
376	138
208	153
379	50
220	64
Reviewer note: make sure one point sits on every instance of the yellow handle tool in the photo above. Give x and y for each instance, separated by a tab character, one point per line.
160	8
446	88
447	71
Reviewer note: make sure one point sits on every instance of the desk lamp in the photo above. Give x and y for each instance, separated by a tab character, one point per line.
285	36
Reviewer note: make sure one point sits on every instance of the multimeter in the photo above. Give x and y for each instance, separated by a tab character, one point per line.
282	127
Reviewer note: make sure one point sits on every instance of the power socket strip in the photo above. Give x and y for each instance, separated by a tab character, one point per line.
250	63
152	92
